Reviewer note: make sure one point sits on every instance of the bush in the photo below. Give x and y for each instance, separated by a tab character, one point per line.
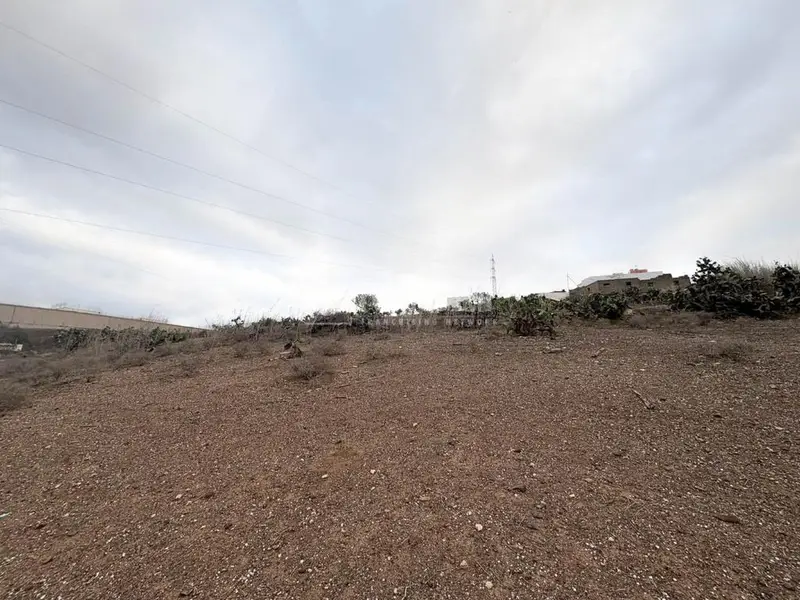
733	351
308	368
12	397
127	339
728	293
13	335
528	315
597	306
331	348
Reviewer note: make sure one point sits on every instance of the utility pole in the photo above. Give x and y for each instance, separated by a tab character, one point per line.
494	279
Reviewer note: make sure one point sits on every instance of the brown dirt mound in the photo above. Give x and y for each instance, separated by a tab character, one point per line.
460	466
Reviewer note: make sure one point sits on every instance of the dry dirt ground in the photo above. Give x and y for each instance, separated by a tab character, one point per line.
426	465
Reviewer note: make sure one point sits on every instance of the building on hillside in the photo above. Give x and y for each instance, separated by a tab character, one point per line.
634	278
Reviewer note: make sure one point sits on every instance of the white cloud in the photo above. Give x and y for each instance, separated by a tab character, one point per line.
562	137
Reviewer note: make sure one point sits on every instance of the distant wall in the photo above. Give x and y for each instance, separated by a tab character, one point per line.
30	317
431	321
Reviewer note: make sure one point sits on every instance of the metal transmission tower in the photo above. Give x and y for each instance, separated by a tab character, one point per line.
494	279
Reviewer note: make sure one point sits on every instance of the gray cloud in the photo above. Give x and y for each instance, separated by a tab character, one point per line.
576	138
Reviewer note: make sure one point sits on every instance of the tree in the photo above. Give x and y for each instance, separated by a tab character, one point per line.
413	308
367	305
481	300
398	312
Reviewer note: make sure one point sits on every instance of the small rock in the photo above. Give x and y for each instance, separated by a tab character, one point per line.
537	515
729	519
498	354
424	498
179	496
520	488
325	476
414	424
463	563
478	527
790	585
372	471
489	585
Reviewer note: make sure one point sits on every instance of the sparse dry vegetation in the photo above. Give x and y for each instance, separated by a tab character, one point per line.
331	348
536	447
735	351
382	353
187	365
309	368
12	397
501	458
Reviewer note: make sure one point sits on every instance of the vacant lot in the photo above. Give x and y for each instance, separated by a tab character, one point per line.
628	463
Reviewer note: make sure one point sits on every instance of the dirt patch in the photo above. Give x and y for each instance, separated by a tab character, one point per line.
462	467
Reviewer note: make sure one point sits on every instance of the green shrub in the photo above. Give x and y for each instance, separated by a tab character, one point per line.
597	306
727	294
528	315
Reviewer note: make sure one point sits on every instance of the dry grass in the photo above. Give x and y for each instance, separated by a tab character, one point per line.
664	318
730	350
756	268
331	348
309	368
135	358
12	397
187	365
565	468
380	353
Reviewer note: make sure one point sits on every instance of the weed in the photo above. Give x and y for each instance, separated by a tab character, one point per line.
309	368
187	366
331	348
242	350
733	351
135	358
379	353
12	397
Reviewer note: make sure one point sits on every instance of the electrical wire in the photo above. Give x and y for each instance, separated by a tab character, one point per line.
163	104
169	192
198	121
191	241
194	119
180	164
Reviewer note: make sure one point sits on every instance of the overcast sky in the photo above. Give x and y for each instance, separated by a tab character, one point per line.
388	146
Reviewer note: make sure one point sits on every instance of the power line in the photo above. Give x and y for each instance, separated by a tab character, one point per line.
196	120
169	192
185	240
163	104
73	248
179	163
